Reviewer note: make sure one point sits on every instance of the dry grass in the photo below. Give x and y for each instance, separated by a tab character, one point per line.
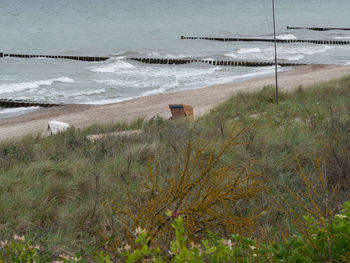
53	189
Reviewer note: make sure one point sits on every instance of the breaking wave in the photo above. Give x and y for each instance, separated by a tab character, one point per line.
13	87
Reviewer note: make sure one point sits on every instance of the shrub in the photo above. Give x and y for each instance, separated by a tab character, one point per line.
204	190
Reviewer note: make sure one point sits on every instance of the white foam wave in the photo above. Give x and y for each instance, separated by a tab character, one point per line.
231	54
198	83
14	110
93	92
344	37
292	53
113	67
187	73
176	56
258	72
118	53
248	50
153	92
153	54
171	56
153	76
83	93
13	87
295	57
286	37
41	58
302	50
310	50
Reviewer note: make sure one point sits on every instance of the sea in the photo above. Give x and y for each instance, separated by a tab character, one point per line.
152	28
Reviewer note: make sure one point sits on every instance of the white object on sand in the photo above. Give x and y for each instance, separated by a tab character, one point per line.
57	126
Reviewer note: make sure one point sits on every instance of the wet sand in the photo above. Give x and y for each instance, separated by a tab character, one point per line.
202	101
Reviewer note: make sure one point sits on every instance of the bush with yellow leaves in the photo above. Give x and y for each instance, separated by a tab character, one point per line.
204	190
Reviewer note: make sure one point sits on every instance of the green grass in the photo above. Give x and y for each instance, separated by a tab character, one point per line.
55	189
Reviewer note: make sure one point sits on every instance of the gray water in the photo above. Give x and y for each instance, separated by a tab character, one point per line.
152	28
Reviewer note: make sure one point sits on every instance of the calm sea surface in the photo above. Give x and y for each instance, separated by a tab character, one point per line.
151	28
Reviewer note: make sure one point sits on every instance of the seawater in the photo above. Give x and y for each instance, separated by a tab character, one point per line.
152	28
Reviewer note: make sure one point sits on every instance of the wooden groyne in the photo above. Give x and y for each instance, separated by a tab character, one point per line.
166	61
5	103
80	58
318	28
248	39
214	62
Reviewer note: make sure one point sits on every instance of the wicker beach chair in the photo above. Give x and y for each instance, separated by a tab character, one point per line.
181	111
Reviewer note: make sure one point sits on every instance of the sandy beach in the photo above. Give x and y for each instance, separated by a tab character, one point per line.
202	101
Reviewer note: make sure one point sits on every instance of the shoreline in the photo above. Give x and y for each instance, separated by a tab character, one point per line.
202	101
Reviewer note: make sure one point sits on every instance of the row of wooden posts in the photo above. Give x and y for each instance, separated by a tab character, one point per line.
81	58
318	28
249	39
8	103
214	62
166	61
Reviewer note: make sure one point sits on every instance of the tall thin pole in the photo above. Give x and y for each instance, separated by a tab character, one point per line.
274	36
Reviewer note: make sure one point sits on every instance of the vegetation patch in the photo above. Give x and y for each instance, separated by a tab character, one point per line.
252	173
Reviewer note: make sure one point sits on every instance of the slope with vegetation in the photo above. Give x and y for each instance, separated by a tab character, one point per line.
276	178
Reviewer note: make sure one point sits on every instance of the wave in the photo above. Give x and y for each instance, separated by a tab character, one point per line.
153	76
170	56
187	73
13	87
113	67
177	56
231	54
248	50
243	51
286	37
119	53
80	93
344	37
197	83
13	110
153	92
93	92
291	53
295	57
263	71
301	50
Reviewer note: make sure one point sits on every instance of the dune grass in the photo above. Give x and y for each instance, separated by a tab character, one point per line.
57	190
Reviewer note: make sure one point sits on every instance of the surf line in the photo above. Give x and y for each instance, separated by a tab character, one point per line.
249	39
317	28
165	61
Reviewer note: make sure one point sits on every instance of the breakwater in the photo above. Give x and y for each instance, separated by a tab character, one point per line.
214	62
317	28
80	58
248	39
7	103
241	63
